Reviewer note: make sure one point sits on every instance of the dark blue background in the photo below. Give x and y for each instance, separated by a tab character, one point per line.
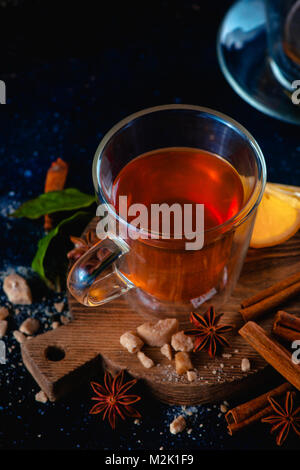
72	71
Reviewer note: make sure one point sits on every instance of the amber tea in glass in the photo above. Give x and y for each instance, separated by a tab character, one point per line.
181	176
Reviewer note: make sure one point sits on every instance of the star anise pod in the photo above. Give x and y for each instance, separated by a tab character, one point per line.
209	335
113	399
82	244
284	418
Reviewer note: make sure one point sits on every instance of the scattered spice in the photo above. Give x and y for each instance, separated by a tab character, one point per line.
82	244
55	181
113	399
284	417
273	352
286	326
252	411
271	290
209	335
270	298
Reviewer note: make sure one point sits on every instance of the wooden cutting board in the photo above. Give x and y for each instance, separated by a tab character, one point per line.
61	359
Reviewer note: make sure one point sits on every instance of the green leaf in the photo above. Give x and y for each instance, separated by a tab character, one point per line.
43	245
55	201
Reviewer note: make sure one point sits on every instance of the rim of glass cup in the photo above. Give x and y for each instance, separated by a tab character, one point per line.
250	205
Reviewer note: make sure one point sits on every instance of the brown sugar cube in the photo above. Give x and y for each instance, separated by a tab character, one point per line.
182	362
19	336
245	365
178	425
17	290
3	313
145	360
41	397
182	342
223	408
3	328
59	306
166	350
131	342
158	333
191	375
30	326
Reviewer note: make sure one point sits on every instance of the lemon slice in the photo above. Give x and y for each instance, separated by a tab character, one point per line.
278	216
289	193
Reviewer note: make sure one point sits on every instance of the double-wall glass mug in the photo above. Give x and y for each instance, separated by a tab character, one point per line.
283	27
258	48
141	154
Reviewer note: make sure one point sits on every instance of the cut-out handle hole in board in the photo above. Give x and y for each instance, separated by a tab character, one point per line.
54	353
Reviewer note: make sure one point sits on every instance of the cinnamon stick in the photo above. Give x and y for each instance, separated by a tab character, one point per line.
278	286
252	411
269	303
286	326
55	181
275	354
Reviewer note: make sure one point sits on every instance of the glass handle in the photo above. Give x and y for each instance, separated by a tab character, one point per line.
93	279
